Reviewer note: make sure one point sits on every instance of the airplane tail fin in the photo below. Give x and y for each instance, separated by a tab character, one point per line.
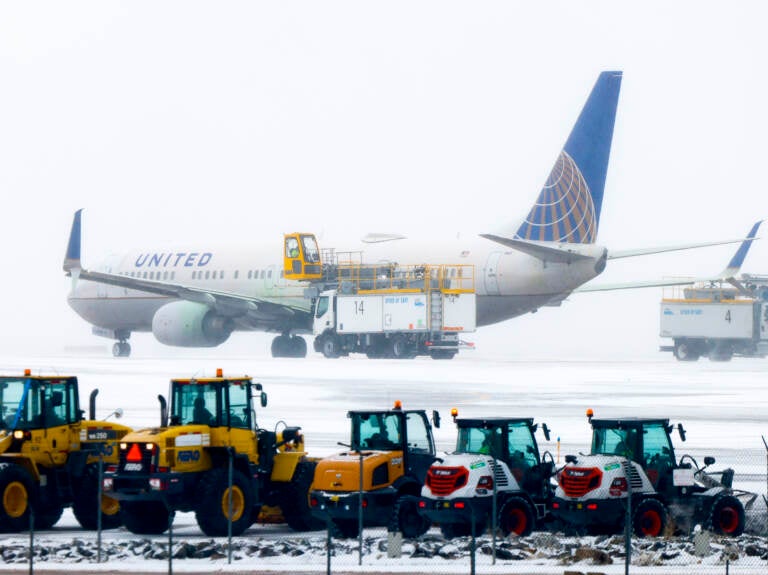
737	260
568	207
72	256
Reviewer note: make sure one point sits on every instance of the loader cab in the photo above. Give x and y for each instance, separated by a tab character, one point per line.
644	441
32	402
215	402
399	431
301	257
509	440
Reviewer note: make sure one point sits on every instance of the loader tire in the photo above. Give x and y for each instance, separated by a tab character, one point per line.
15	489
47	518
727	516
345	528
84	504
212	511
145	517
516	517
406	518
295	501
649	519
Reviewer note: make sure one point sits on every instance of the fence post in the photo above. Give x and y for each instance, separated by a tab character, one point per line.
99	494
31	538
170	539
628	523
229	507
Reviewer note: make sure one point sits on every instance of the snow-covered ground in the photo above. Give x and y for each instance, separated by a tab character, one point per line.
724	407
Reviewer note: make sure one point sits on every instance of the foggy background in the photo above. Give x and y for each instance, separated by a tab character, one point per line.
210	124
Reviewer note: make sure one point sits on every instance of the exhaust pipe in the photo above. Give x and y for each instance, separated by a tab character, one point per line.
92	404
163	411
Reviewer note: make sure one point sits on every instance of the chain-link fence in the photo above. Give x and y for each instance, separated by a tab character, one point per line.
552	547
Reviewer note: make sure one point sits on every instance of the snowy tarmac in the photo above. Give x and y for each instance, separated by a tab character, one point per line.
723	406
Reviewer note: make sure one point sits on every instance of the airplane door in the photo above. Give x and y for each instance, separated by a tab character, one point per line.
491	273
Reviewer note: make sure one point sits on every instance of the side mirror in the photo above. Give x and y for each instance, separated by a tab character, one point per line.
545	429
263	398
570	459
709	460
681	431
436	418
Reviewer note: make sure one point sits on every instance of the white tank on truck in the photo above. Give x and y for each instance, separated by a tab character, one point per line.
396	311
716	321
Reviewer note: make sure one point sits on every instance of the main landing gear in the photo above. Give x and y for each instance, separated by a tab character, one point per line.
121	349
286	345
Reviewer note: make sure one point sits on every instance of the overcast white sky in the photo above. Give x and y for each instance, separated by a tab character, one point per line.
211	123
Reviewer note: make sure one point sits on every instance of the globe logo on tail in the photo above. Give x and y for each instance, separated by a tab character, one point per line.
564	211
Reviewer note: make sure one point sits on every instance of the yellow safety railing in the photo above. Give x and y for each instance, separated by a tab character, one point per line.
447	278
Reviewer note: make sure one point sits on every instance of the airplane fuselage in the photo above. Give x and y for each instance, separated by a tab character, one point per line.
508	283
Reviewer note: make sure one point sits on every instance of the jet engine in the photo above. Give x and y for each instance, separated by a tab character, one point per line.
190	324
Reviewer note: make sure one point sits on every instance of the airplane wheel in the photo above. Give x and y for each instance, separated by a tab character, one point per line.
298	346
281	344
121	349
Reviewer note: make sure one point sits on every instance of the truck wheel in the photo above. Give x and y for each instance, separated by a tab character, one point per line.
145	517
727	516
399	348
649	518
84	504
330	346
345	528
406	518
295	501
47	518
684	351
212	511
15	487
516	517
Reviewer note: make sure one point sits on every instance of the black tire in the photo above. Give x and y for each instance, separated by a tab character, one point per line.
47	518
684	351
295	500
407	519
516	517
345	528
727	516
144	517
298	346
15	490
84	504
399	348
649	518
280	346
330	346
213	503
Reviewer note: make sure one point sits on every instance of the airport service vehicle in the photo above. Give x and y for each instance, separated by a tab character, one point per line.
184	465
496	469
378	479
50	455
636	454
717	322
396	311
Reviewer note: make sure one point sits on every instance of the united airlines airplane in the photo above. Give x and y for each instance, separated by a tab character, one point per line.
196	297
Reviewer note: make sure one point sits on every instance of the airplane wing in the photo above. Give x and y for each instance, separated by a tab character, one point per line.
617	254
225	302
728	274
